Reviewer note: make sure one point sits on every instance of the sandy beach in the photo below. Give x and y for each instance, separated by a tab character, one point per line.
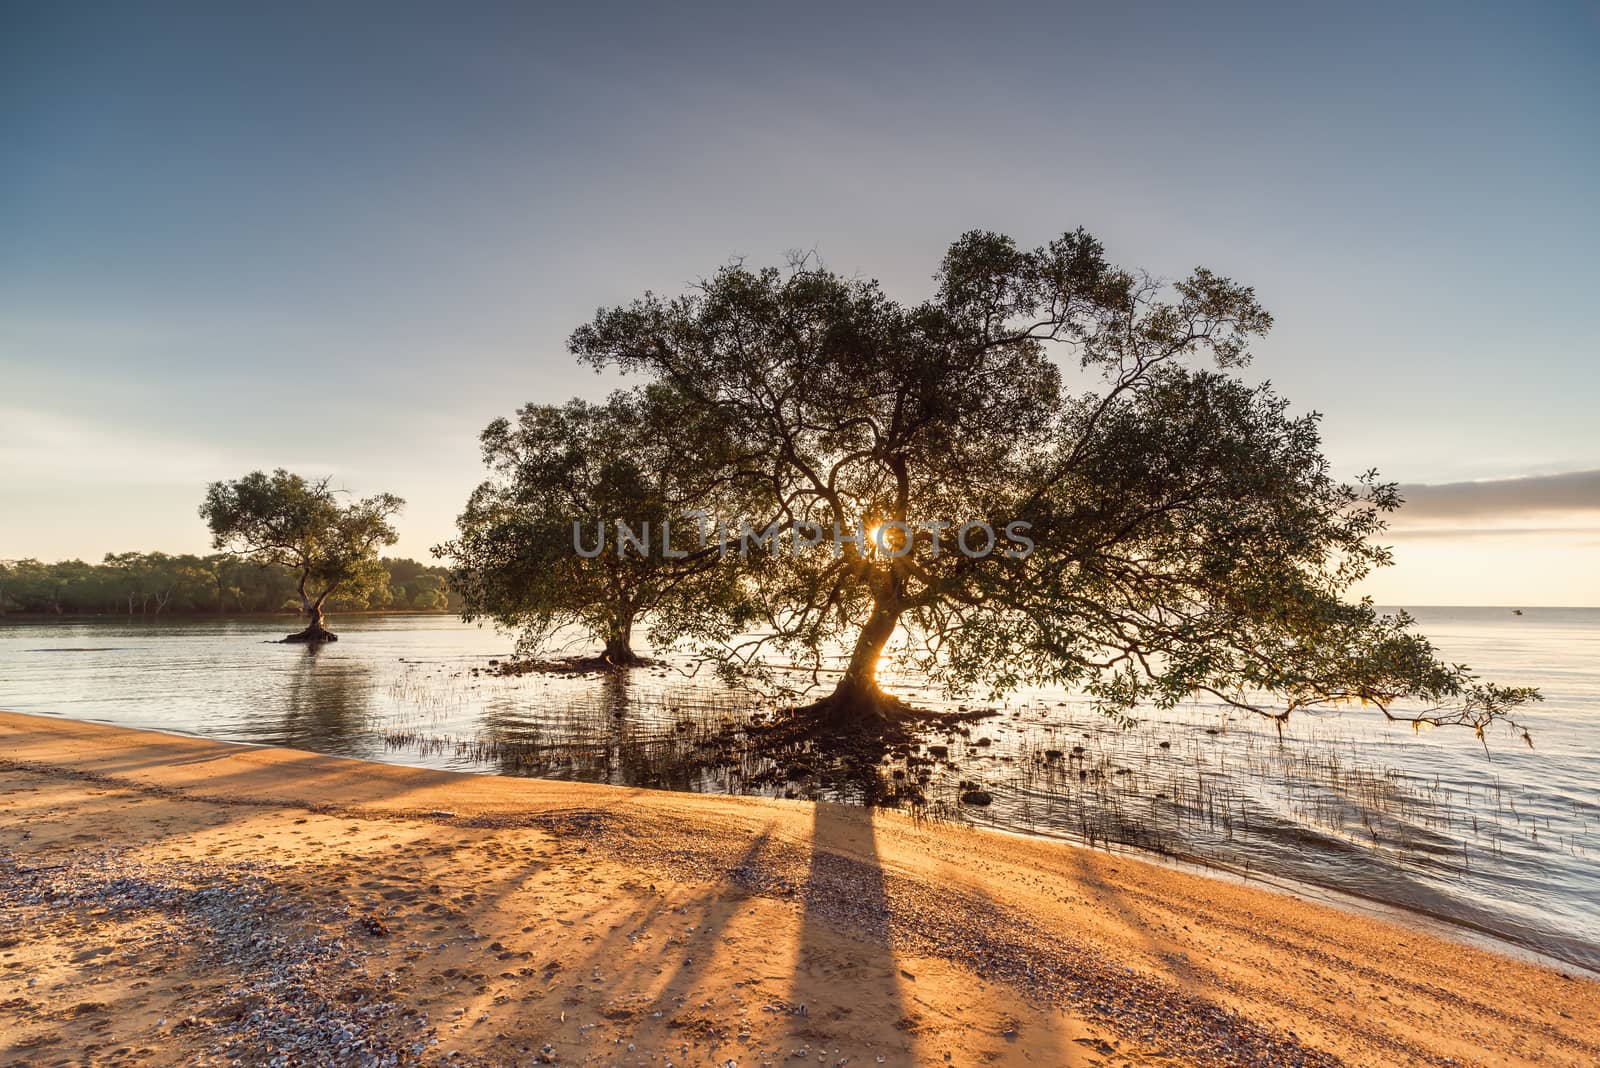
169	900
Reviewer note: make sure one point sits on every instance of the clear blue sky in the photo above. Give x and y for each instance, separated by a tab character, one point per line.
341	238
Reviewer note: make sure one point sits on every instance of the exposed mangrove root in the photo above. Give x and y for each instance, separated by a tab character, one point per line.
570	665
857	725
315	634
869	711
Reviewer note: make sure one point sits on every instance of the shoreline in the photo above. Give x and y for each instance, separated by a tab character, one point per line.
859	934
1411	918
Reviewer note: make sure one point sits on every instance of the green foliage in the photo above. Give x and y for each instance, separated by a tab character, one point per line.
286	520
159	584
640	459
1188	535
292	544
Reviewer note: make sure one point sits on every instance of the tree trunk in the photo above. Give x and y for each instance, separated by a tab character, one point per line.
316	631
619	644
858	697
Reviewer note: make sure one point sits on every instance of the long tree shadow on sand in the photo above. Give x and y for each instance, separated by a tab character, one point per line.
846	978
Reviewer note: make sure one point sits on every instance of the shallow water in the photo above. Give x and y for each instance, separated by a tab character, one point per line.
1504	842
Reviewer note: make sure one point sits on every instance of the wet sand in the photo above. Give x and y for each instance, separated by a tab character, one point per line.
167	900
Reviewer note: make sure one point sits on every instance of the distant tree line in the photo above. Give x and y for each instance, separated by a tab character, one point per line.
160	584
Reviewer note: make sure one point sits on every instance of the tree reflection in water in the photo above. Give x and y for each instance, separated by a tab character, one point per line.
329	703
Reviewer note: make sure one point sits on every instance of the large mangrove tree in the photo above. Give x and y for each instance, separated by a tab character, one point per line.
1060	476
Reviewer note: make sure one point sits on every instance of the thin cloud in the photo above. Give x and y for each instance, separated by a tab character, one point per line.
1573	491
1455	533
44	448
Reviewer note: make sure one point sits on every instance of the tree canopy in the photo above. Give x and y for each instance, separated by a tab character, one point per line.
1161	527
286	520
582	522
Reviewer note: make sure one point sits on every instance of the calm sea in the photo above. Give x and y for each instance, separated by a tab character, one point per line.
1502	841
